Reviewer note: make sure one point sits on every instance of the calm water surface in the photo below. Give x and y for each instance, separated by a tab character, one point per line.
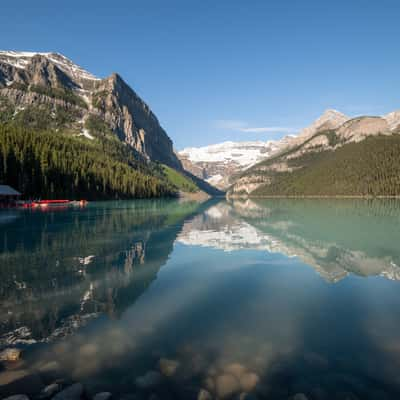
272	297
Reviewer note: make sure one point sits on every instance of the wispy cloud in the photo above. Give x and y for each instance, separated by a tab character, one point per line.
243	126
283	129
230	124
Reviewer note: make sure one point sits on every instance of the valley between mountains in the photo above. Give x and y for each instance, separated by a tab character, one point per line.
67	133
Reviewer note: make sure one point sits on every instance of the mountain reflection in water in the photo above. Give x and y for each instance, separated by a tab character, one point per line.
220	293
334	237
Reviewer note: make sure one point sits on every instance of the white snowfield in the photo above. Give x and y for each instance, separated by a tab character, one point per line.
20	59
244	154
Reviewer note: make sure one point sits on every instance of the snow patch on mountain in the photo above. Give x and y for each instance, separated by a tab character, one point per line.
242	153
86	133
218	162
20	59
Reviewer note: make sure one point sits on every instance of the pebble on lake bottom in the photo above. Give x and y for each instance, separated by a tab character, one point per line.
11	354
50	390
168	367
17	397
226	385
73	392
102	396
300	396
235	369
249	381
150	379
204	395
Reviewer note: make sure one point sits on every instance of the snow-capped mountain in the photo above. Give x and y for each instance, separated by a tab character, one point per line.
35	79
21	59
218	162
243	153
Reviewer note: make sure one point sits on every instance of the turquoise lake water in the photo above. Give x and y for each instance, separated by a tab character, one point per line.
271	297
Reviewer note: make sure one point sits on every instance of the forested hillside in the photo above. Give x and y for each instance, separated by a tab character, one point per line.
66	133
44	163
367	168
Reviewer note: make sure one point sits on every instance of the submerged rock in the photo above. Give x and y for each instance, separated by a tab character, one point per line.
246	396
168	367
21	380
209	384
235	369
50	366
300	396
17	397
102	396
204	395
11	354
50	390
73	392
249	381
226	385
148	380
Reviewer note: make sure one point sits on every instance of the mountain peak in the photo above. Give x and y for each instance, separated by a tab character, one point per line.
332	111
21	59
31	79
332	114
330	119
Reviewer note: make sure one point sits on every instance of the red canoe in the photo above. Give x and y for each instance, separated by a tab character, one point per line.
52	201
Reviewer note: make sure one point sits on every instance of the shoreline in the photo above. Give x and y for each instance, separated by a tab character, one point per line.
314	197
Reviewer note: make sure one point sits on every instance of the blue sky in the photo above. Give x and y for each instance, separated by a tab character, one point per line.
227	69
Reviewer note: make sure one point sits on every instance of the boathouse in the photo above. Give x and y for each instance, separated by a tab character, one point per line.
8	194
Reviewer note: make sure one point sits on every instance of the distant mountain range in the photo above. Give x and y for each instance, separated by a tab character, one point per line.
335	156
218	163
48	93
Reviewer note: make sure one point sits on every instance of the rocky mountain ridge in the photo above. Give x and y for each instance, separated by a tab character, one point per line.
332	131
28	79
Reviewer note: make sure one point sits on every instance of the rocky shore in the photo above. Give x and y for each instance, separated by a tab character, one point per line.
169	379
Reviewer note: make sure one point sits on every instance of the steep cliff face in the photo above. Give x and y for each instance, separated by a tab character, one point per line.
132	120
32	79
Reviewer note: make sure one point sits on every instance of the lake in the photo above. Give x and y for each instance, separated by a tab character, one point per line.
281	299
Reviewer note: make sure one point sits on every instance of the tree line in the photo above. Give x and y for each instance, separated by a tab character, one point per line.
49	164
367	168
